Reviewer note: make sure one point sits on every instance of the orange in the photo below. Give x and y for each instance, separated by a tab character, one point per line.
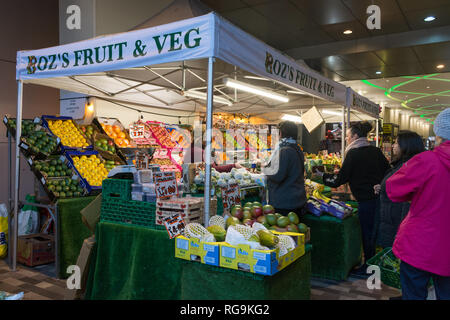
126	142
113	135
118	141
116	129
121	135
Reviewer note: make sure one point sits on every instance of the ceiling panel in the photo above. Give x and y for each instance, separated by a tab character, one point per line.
386	72
325	12
414	5
285	14
363	60
430	67
336	30
397	56
407	69
335	63
224	5
433	52
352	74
442	14
313	36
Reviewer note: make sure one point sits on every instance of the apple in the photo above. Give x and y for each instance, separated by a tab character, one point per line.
248	222
256	211
268	209
237	212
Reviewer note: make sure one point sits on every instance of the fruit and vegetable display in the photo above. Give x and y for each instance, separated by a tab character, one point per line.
69	134
53	167
163	137
93	168
118	134
232	231
327	163
253	212
27	125
65	188
40	142
317	204
103	143
89	130
240	176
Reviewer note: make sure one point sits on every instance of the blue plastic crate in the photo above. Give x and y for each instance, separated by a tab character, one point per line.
74	153
64	148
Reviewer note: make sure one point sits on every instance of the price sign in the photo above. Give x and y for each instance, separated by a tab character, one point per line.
231	195
174	225
137	131
166	184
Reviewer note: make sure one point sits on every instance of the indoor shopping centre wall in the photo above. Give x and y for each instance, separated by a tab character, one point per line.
24	25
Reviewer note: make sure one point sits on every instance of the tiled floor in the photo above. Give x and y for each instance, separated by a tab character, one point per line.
351	289
34	284
39	286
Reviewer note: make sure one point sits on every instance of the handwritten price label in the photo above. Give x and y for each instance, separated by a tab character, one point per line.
231	195
166	184
175	225
137	131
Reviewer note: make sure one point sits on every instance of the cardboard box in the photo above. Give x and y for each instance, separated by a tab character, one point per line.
194	250
83	262
265	262
35	249
90	215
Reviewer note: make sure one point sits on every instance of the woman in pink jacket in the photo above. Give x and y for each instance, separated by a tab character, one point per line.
423	239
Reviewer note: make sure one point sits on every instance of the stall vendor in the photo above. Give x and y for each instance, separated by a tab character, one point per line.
285	173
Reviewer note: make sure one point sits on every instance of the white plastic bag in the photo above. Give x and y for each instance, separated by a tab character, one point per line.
28	218
234	237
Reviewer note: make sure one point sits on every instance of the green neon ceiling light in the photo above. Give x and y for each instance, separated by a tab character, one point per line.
421	95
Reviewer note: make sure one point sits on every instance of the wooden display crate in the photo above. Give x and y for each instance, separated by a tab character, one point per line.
35	249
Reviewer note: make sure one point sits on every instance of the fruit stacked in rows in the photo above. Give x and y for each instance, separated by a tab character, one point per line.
65	188
89	130
40	141
253	212
91	168
27	126
105	145
53	168
117	134
69	134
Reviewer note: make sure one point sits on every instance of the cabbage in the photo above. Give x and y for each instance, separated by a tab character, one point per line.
232	181
222	183
238	176
198	180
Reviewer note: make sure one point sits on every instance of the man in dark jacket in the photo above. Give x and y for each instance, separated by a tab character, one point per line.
285	180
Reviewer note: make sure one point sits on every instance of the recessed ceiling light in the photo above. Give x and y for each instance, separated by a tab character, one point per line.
378	72
440	66
348	31
429	18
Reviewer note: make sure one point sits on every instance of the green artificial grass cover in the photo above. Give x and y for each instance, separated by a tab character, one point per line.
337	245
204	282
72	231
131	263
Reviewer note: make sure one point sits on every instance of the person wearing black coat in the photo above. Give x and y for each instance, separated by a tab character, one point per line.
364	166
391	214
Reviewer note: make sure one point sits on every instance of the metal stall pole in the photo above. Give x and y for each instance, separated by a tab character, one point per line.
9	195
208	139
17	181
376	134
343	134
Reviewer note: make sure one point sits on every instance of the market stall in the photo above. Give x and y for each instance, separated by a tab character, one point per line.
141	71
